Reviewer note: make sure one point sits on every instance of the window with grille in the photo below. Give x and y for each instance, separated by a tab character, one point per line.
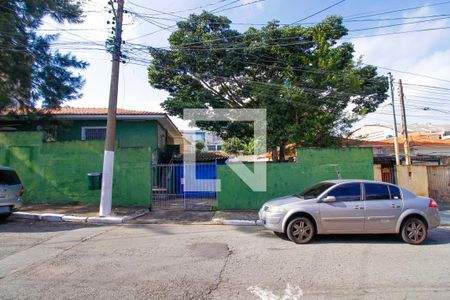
93	133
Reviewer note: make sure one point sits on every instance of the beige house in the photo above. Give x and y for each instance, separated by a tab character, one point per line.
376	132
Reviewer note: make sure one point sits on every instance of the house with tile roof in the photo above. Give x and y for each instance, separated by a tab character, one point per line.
134	128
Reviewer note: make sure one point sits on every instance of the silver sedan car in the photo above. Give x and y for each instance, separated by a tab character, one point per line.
11	192
351	206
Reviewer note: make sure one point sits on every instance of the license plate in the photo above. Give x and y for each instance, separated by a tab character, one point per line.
5	209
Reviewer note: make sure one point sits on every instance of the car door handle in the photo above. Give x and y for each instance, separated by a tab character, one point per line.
358	207
395	205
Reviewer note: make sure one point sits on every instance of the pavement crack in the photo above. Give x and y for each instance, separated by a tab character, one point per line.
38	264
220	277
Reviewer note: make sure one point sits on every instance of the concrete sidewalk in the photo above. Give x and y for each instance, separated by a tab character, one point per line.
89	214
76	213
198	217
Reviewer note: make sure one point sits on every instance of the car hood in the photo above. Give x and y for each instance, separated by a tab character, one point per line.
288	200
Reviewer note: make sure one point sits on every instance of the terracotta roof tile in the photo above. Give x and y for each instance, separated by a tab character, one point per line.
413	141
88	111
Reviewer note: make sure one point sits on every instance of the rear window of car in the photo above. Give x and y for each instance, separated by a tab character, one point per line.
9	177
395	192
376	191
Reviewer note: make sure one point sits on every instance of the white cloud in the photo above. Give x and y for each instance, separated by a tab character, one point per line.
426	52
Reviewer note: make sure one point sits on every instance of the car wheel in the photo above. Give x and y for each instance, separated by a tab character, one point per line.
414	231
281	235
300	230
4	216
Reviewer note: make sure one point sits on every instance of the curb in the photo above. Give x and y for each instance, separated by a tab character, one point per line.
237	222
78	219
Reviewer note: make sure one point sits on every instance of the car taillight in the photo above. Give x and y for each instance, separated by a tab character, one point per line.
433	204
21	191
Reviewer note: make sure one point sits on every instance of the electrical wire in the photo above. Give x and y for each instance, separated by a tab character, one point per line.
318	12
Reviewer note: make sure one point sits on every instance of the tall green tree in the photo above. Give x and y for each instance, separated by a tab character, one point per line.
29	70
308	79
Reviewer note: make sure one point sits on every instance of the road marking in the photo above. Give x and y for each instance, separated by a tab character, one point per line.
289	293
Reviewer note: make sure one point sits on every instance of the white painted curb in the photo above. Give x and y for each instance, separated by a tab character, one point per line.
69	218
237	222
74	219
51	217
25	215
107	220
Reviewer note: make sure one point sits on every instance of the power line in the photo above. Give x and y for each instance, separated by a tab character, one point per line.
217	8
368	15
238	6
428	86
320	11
398	24
415	74
400	32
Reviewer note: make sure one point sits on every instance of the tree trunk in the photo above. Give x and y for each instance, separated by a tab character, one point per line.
282	154
274	154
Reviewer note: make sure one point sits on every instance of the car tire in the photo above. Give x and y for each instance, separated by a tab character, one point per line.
300	230
281	235
4	216
414	231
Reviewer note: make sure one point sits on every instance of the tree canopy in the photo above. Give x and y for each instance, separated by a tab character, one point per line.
308	79
29	70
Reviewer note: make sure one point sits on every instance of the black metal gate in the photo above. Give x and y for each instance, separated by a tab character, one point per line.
169	187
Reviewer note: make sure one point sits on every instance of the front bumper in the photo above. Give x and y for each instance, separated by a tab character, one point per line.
272	221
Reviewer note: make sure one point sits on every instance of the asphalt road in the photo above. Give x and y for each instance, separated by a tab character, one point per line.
63	261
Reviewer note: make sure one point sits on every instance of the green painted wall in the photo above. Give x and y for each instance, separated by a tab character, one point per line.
56	172
129	133
313	165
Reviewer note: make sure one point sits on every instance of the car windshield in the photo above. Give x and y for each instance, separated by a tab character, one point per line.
315	191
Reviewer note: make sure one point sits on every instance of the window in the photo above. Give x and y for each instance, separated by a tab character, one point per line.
93	133
347	192
9	177
375	191
395	192
315	191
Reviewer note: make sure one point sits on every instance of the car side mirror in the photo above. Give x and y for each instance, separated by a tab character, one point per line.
329	199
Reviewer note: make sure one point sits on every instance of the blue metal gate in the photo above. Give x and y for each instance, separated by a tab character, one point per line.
170	189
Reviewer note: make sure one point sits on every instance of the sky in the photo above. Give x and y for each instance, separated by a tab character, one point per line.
425	51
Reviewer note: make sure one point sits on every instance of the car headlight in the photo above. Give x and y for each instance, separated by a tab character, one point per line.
276	209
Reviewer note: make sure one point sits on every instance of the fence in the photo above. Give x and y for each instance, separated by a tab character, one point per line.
56	172
170	191
427	181
313	165
439	183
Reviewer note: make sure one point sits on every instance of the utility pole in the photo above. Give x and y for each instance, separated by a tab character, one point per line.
108	157
405	127
397	154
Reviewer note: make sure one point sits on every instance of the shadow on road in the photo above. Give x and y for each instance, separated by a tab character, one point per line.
29	226
437	236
